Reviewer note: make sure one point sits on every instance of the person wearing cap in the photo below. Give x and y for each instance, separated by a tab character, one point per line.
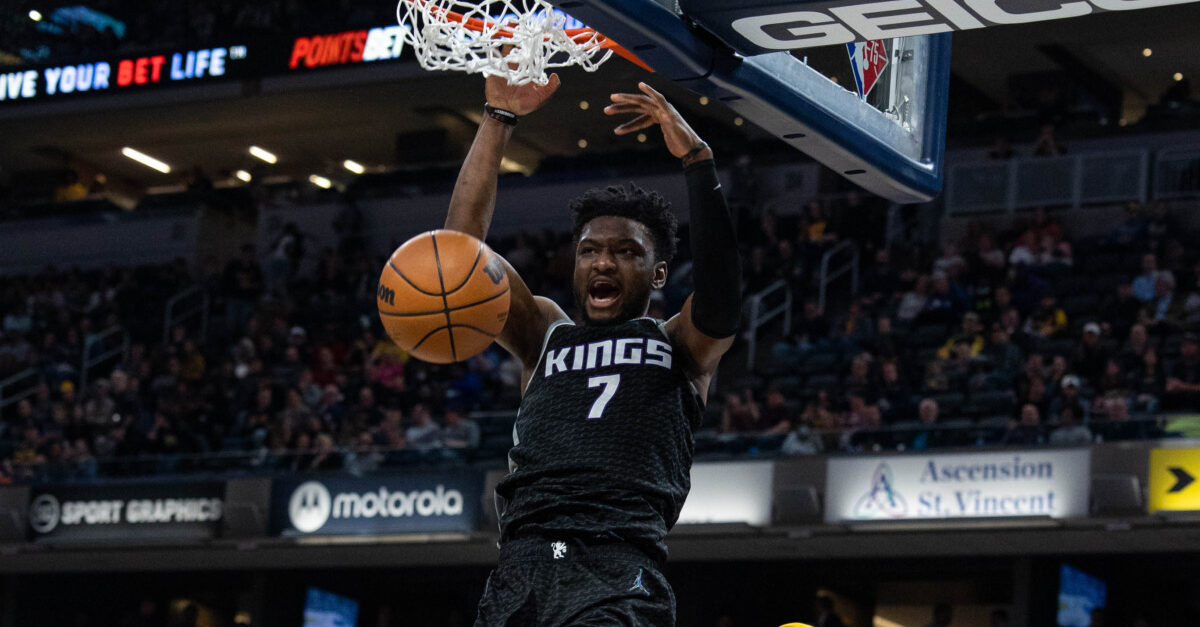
1091	355
1069	396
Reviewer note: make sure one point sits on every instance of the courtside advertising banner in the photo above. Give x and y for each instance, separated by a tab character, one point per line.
126	513
729	492
1009	484
417	502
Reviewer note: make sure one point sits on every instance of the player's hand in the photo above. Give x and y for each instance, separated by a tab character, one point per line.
651	108
520	99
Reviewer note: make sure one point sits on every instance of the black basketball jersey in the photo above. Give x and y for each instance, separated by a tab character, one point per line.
603	439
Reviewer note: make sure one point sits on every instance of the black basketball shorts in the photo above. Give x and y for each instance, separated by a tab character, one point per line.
563	583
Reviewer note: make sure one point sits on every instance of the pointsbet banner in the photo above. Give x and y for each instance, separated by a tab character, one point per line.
126	513
973	485
411	503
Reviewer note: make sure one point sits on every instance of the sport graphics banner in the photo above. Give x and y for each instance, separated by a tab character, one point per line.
1007	484
126	513
416	502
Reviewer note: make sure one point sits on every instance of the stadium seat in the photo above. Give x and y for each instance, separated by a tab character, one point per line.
820	364
989	404
950	404
827	381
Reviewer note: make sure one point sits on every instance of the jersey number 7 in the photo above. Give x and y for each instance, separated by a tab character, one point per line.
610	383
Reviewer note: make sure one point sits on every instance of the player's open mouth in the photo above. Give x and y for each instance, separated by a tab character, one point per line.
603	292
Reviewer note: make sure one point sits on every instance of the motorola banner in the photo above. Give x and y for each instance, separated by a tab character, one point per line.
126	513
1051	483
428	502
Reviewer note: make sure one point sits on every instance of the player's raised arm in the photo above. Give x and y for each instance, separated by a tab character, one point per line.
706	326
474	199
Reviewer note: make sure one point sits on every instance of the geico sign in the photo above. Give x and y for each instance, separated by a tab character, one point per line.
865	21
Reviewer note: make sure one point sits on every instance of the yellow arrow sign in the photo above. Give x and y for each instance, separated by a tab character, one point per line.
1174	480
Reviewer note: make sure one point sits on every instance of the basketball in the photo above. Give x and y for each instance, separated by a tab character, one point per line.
443	296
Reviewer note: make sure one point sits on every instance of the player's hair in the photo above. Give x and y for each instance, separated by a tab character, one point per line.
635	203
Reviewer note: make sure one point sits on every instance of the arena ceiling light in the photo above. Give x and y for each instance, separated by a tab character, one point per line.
146	160
353	166
243	176
320	181
1147	52
265	155
35	15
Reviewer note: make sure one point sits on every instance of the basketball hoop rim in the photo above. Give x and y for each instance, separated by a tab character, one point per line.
575	34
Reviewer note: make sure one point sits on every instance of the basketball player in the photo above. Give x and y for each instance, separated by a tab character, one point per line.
603	438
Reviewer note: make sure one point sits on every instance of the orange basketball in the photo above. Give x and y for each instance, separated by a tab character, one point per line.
443	296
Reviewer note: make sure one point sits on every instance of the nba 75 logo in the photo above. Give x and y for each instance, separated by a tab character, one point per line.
494	270
387	295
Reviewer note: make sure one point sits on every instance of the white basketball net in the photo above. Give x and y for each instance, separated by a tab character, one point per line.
537	33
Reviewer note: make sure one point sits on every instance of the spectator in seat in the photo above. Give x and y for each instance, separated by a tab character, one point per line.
1191	305
460	431
959	367
1164	313
853	330
243	284
1131	229
913	302
1121	311
950	261
1183	380
895	396
1010	320
881	281
1090	356
1147	383
946	302
811	331
860	380
928	436
1070	429
884	343
1069	395
1117	425
1112	379
1135	346
1143	284
740	413
971	332
1005	358
777	415
324	455
860	424
1048	320
426	433
1028	429
990	263
820	412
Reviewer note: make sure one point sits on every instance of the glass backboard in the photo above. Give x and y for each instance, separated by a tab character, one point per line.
874	112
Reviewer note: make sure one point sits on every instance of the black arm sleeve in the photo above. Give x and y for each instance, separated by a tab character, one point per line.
716	264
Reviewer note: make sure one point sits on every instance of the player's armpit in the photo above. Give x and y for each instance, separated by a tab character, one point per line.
529	317
702	352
